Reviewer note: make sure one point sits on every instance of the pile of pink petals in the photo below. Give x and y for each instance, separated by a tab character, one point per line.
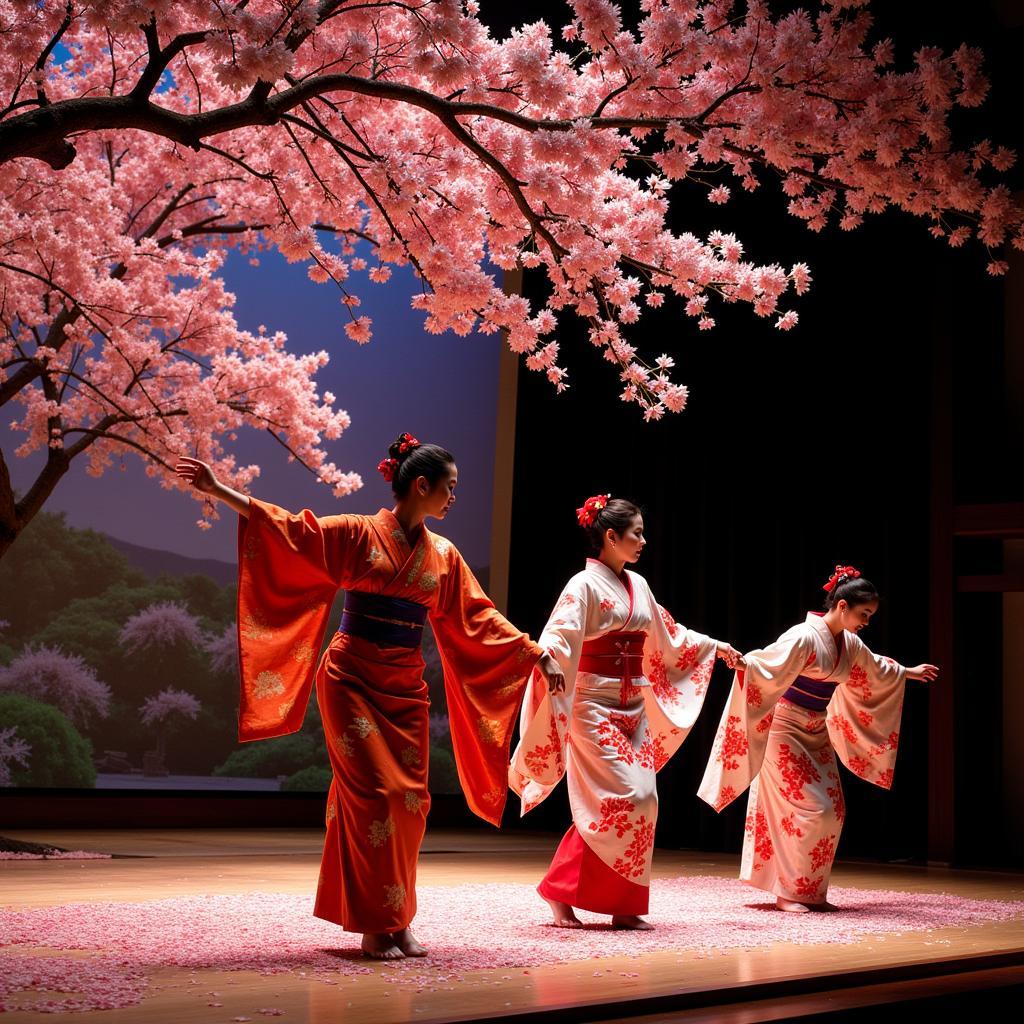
468	928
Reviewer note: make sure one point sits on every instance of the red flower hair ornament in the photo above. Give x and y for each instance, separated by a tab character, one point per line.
389	467
586	515
841	575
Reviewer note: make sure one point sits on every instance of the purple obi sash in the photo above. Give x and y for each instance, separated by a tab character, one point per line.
811	694
388	621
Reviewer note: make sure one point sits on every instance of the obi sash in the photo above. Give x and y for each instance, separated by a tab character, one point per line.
388	621
810	694
617	655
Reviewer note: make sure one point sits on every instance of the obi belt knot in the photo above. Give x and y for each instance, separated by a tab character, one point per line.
810	694
388	621
617	655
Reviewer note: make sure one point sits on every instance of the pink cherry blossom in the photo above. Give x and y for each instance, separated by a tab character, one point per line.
49	675
413	131
12	751
223	651
127	944
168	705
160	626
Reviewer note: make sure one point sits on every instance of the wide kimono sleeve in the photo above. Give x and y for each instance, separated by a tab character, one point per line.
738	750
678	662
539	761
289	569
486	663
864	715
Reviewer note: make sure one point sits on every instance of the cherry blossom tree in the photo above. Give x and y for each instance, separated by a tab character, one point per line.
223	651
167	712
65	681
159	628
12	751
139	139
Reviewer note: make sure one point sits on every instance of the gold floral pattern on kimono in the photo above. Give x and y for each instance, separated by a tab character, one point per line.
254	627
394	896
268	684
489	730
302	652
363	727
381	831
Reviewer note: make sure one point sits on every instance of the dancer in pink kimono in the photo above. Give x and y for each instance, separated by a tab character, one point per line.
634	685
818	691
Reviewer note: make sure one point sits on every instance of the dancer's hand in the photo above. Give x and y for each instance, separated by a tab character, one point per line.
552	672
926	673
196	473
729	654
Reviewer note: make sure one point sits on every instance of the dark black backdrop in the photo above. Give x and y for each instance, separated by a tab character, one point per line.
799	450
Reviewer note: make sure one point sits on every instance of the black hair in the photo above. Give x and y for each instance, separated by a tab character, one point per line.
617	515
427	460
853	590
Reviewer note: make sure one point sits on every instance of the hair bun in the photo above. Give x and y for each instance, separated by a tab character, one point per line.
402	446
590	509
841	575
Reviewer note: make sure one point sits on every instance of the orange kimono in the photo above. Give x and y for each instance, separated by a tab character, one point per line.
370	687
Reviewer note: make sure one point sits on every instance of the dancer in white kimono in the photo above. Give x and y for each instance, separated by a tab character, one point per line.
818	691
634	684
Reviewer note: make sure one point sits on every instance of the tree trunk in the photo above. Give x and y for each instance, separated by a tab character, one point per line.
16	515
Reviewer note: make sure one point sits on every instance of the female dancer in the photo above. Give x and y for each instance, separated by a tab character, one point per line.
370	687
814	693
635	683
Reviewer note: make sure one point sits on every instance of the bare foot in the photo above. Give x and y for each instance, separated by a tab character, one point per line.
381	946
633	923
563	914
791	906
406	942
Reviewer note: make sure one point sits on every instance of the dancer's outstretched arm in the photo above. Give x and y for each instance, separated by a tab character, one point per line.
202	478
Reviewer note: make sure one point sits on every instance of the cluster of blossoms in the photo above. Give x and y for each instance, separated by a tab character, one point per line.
65	681
185	129
160	626
12	751
167	706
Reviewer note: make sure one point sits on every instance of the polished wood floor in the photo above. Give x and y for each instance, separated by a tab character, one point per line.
740	986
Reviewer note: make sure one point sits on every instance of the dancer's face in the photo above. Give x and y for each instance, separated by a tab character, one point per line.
630	543
437	500
855	617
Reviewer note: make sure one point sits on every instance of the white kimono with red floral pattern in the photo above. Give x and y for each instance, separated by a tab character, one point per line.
787	753
609	736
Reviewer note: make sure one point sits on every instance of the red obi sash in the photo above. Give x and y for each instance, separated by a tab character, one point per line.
617	655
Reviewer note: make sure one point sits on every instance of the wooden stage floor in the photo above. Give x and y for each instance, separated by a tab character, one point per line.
780	982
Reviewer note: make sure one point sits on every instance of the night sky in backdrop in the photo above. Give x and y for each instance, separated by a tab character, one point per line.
442	389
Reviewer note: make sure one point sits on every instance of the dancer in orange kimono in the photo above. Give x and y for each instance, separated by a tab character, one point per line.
370	687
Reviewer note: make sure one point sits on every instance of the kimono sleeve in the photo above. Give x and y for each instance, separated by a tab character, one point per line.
486	662
539	760
678	662
289	569
864	715
742	736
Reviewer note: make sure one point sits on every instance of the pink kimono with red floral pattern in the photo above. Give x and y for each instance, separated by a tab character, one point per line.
608	737
786	754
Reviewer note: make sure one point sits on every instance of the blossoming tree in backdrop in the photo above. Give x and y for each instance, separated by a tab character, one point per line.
167	712
141	138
